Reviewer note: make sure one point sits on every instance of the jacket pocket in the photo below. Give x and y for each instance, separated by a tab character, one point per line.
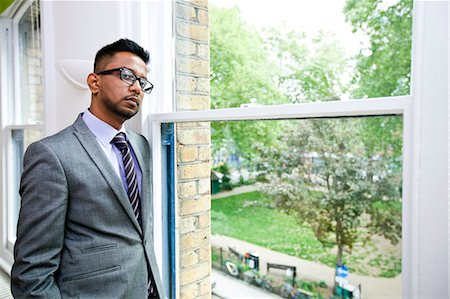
91	274
101	248
91	262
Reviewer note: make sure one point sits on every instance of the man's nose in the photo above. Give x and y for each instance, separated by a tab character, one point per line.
136	87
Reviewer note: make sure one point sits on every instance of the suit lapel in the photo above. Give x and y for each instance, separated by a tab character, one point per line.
93	149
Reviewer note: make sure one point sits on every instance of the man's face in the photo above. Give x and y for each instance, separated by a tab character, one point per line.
117	99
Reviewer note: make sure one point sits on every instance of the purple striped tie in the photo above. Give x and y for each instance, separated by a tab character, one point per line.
130	173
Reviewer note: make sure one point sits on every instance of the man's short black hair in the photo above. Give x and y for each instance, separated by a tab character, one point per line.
122	45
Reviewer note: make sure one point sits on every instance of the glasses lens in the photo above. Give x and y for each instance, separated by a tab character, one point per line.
127	76
145	85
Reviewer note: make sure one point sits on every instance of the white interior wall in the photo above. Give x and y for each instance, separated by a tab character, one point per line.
72	30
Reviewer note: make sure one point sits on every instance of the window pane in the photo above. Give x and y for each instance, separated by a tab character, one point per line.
21	139
30	66
308	51
311	194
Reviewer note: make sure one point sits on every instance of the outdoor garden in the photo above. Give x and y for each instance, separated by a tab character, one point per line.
323	190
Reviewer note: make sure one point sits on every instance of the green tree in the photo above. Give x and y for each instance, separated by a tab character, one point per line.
383	66
241	69
325	177
311	67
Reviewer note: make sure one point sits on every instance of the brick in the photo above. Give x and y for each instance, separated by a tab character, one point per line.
204	296
190	291
204	287
202	85
203	51
192	102
194	274
191	171
186	47
194	206
204	186
193	66
204	153
188	224
193	148
186	12
192	31
204	253
204	220
199	3
187	153
186	83
188	125
194	136
194	239
189	258
188	189
202	17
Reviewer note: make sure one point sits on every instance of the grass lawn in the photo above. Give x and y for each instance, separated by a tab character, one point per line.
239	217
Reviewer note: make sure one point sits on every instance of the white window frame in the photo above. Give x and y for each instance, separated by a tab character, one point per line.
429	17
10	121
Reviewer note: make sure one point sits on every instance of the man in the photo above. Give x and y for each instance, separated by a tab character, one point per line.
85	223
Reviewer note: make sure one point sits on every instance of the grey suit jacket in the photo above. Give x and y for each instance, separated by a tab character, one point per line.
77	235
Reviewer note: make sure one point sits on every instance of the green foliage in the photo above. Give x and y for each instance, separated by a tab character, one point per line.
240	65
240	70
384	66
329	183
4	4
311	67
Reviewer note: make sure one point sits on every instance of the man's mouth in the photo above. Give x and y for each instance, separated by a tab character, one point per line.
134	99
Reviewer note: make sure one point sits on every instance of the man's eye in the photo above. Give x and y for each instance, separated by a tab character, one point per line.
128	76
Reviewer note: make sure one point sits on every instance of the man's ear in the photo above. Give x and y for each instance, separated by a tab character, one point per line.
93	82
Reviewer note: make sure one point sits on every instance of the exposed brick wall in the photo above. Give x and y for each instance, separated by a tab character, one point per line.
193	150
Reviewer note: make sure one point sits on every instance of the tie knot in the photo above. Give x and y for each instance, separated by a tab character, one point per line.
120	141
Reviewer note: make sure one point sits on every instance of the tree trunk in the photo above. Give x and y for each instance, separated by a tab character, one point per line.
338	262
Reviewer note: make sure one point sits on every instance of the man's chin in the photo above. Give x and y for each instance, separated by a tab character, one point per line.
129	113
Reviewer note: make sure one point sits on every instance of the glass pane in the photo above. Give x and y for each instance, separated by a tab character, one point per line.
312	205
30	67
21	139
308	51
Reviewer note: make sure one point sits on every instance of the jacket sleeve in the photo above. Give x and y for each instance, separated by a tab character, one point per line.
40	229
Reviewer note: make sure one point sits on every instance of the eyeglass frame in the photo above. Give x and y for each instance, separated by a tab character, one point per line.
142	81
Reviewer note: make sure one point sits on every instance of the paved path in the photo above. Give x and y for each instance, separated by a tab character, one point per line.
372	287
228	287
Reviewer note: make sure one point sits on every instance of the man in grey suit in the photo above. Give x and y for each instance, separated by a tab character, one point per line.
85	223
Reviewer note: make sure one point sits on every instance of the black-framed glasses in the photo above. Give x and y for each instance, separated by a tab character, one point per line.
128	76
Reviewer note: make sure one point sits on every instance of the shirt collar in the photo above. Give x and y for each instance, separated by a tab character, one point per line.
103	131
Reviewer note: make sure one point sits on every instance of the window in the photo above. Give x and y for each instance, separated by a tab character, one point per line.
300	52
325	192
423	115
21	102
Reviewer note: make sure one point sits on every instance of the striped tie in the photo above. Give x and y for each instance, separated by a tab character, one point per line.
130	173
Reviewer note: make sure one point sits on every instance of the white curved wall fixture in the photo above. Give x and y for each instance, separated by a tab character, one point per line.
75	71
